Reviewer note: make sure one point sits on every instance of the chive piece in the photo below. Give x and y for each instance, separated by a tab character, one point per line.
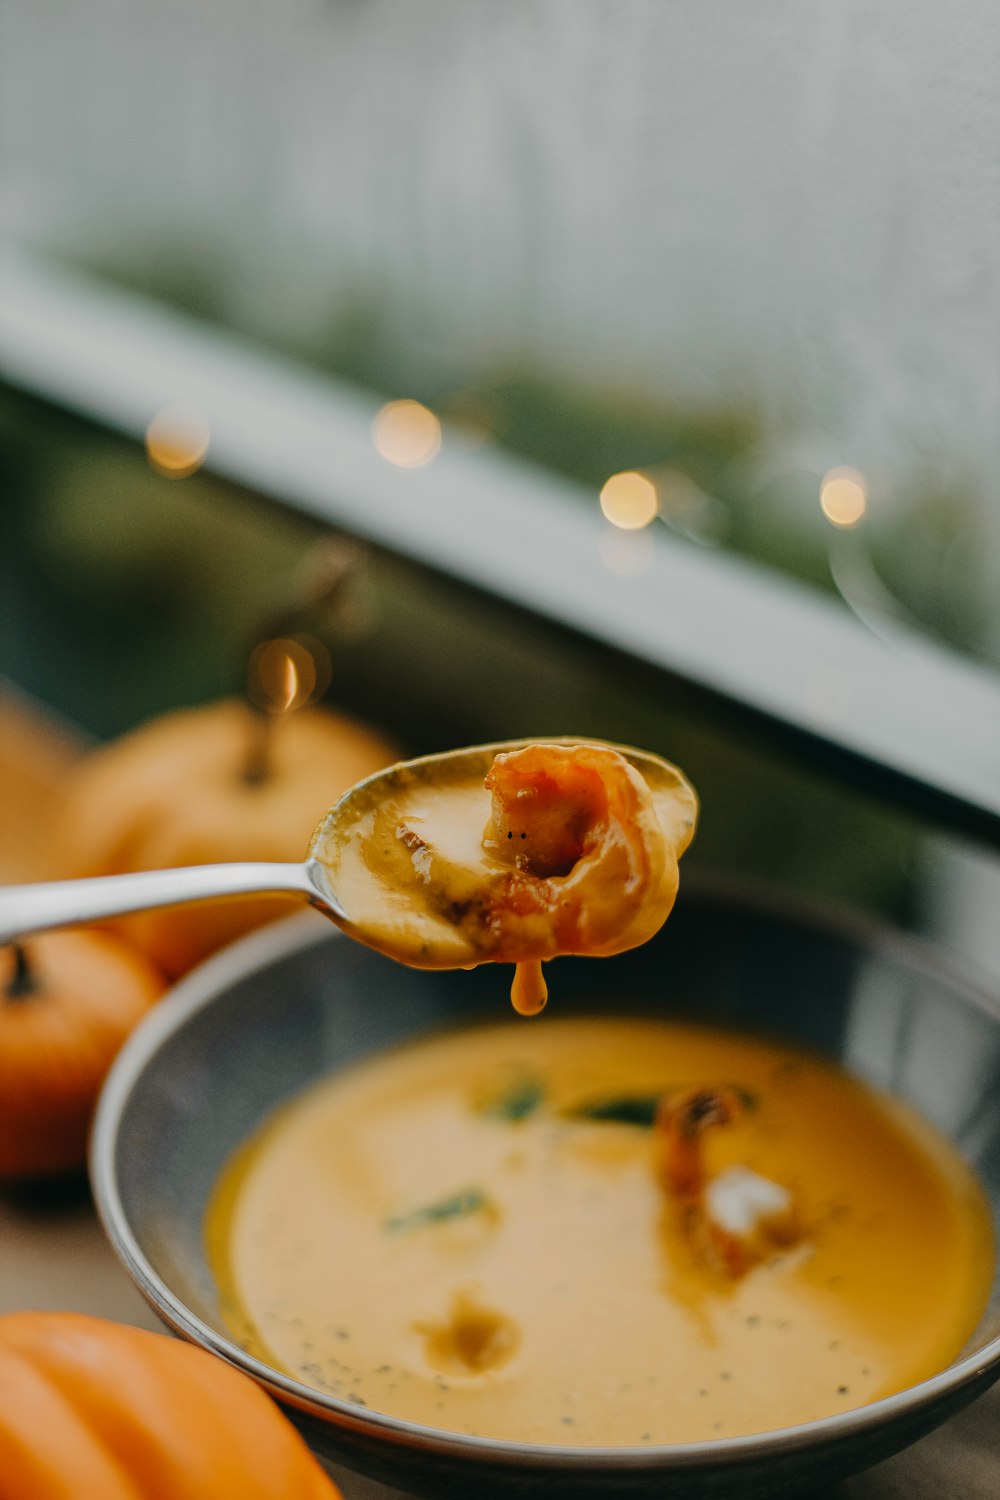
524	1097
624	1109
466	1201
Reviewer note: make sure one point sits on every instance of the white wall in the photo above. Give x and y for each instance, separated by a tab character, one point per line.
800	198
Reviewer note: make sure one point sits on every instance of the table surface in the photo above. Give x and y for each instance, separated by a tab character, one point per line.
53	1253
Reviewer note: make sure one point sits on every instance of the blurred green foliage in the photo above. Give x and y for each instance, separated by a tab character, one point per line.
925	549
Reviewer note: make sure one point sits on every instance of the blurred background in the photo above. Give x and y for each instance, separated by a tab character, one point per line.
634	369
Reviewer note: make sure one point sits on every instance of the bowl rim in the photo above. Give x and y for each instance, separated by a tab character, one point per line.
294	934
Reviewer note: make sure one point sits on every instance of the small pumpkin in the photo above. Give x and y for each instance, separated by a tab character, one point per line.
188	789
67	1002
102	1411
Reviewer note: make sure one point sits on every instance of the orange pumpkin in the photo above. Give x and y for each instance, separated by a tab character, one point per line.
67	1002
176	792
99	1411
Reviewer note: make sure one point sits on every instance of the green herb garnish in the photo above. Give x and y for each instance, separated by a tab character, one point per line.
467	1201
523	1097
624	1109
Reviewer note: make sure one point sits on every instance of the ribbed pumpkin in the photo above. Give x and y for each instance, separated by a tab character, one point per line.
92	1410
176	792
67	1002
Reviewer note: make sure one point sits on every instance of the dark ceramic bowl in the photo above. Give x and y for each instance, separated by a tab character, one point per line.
266	1018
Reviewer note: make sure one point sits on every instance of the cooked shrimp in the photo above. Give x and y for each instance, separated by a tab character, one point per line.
681	1122
736	1218
579	826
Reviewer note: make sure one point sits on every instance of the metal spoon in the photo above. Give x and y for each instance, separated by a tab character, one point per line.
28	909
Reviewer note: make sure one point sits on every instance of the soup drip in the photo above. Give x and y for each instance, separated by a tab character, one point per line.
528	991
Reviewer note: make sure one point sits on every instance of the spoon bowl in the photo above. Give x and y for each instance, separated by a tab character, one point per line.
334	851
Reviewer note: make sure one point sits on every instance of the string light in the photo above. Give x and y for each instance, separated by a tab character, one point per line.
629	500
407	434
843	496
177	441
288	672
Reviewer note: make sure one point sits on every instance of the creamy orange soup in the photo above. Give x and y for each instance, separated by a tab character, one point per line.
478	1232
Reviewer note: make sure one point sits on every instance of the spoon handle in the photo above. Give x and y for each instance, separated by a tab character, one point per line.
25	909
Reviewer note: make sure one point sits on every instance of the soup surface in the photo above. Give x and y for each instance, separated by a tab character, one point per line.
472	1232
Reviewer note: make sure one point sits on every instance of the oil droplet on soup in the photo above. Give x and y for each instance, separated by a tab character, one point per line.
504	1231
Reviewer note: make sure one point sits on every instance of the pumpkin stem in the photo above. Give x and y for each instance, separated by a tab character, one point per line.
257	766
23	982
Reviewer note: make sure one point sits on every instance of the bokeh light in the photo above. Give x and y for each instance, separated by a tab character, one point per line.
843	496
288	672
629	500
176	441
407	434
